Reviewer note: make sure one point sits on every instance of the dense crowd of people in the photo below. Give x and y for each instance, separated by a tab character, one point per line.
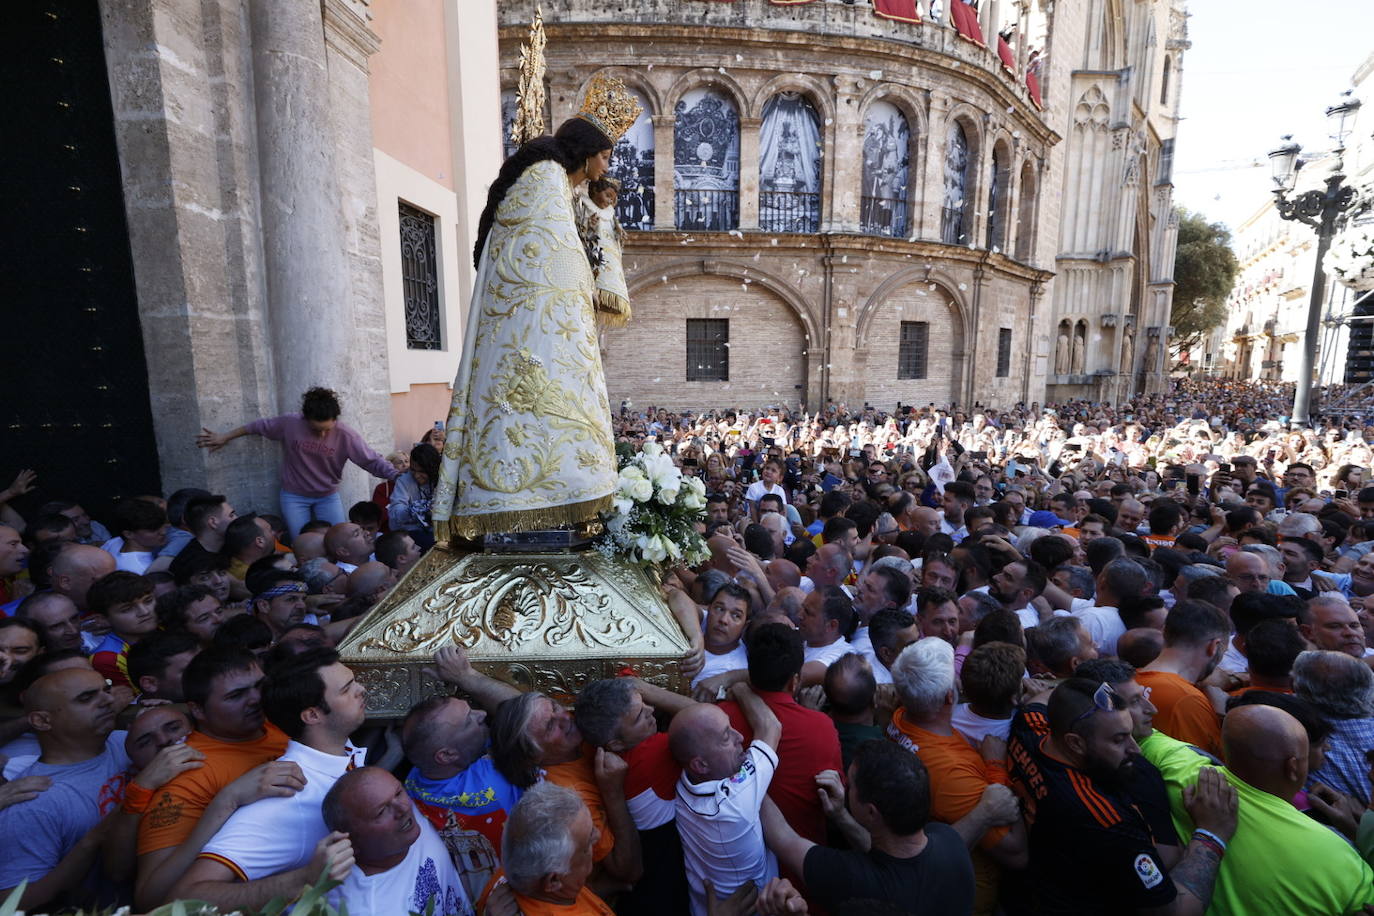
1064	659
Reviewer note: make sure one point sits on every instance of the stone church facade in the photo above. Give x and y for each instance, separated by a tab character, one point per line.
840	282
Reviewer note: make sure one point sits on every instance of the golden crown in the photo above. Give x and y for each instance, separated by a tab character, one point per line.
610	107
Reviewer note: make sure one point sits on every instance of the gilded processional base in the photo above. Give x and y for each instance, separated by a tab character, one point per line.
541	618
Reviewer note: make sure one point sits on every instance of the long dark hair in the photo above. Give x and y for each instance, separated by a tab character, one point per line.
573	144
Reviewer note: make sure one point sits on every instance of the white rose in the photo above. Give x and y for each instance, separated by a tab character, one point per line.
632	472
622	506
696	485
691	499
641	491
667	495
652	449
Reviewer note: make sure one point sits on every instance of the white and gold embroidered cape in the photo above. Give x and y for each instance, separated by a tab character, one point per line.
529	441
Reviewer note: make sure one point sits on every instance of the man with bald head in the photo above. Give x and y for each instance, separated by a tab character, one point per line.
1248	572
781	574
1280	860
1130	515
720	792
372	579
925	520
348	546
72	712
76	568
307	546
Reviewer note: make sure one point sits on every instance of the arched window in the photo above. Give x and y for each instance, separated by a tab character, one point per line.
999	186
954	222
632	165
706	161
1025	214
887	168
1164	84
790	151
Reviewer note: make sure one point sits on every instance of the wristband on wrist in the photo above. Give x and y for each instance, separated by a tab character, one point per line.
1210	838
136	798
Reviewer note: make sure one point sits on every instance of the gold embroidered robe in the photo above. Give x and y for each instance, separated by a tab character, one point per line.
529	441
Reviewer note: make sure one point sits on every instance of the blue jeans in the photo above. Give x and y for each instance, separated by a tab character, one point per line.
298	510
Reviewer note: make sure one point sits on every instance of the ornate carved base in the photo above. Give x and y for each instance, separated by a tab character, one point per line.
549	621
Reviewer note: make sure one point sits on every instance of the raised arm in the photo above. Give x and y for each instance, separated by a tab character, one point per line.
453	667
767	729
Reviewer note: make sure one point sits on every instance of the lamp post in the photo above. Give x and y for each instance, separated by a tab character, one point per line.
1322	209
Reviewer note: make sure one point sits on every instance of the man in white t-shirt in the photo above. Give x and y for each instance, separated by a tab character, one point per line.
826	614
770	482
1016	586
1120	579
723	632
400	863
722	787
265	849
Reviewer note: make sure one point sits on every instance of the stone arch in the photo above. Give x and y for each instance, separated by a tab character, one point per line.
908	101
816	92
919	295
734	270
770	336
907	277
633	79
705	77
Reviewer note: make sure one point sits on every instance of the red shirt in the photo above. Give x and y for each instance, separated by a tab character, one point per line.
809	745
651	782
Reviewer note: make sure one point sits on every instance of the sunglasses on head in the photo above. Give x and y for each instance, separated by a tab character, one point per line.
1105	699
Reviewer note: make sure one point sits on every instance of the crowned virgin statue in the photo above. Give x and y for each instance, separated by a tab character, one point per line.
529	443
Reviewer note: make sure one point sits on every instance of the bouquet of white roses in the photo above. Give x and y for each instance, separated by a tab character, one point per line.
1351	257
656	512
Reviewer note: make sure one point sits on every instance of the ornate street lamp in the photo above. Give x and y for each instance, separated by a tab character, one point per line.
1323	209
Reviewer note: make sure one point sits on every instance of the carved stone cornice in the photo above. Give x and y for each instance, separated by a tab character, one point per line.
347	32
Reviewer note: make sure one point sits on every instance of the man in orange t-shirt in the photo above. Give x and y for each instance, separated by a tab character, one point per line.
223	691
545	811
925	680
1195	635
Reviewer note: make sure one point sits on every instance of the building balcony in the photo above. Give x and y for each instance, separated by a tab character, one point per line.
840	18
707	209
789	211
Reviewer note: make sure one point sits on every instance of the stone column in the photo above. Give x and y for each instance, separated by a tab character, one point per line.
183	127
749	172
664	204
307	270
847	158
927	223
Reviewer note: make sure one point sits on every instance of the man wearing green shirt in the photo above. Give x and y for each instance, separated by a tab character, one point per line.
1278	860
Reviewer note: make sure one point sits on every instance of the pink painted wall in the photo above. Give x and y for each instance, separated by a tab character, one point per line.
409	82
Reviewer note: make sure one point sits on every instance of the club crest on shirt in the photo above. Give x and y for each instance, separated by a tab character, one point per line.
745	772
1148	871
